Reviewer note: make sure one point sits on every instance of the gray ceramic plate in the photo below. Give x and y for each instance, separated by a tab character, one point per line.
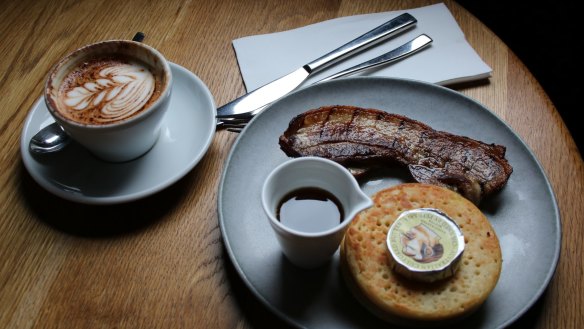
524	214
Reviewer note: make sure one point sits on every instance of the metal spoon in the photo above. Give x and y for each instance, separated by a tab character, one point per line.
50	139
53	138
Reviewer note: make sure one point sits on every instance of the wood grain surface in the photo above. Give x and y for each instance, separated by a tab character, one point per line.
160	262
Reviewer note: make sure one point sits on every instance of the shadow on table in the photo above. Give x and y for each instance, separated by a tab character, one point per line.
256	313
99	220
542	35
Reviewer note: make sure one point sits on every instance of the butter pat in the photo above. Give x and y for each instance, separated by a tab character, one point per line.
425	245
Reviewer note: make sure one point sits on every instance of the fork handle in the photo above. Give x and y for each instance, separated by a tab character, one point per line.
396	54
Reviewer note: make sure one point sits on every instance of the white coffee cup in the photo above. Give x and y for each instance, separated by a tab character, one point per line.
121	140
312	249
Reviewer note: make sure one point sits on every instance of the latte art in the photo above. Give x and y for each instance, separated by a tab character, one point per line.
107	90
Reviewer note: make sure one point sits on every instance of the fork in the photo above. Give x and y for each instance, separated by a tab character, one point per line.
236	124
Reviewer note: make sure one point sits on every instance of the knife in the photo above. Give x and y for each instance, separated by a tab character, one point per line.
409	48
282	86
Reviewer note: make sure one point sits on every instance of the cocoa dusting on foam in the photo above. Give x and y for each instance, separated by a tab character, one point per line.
107	89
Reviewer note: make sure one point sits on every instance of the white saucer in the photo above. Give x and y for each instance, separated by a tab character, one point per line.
75	174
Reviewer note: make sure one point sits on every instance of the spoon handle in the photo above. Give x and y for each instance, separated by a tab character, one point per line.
139	37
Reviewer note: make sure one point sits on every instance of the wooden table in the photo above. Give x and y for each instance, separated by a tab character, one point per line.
160	262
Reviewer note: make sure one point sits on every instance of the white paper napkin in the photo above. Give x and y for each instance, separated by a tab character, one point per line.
449	59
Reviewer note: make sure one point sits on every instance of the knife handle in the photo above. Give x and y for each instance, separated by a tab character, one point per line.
368	39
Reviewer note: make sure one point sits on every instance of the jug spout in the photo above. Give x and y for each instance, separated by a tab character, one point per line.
359	202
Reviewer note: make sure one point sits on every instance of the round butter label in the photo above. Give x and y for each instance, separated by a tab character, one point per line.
425	244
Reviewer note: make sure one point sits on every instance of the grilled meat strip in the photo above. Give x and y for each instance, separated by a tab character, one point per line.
370	138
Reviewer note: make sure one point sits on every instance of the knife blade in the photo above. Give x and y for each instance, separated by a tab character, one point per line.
284	85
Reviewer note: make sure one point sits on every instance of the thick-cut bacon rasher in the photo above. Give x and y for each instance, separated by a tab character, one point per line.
368	138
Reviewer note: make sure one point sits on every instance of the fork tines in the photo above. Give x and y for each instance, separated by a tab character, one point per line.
232	124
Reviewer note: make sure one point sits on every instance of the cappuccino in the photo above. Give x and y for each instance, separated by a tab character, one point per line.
111	97
107	89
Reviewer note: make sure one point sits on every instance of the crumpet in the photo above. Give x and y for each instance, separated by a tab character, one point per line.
367	265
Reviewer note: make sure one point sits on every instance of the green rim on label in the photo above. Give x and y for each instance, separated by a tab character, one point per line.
425	244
